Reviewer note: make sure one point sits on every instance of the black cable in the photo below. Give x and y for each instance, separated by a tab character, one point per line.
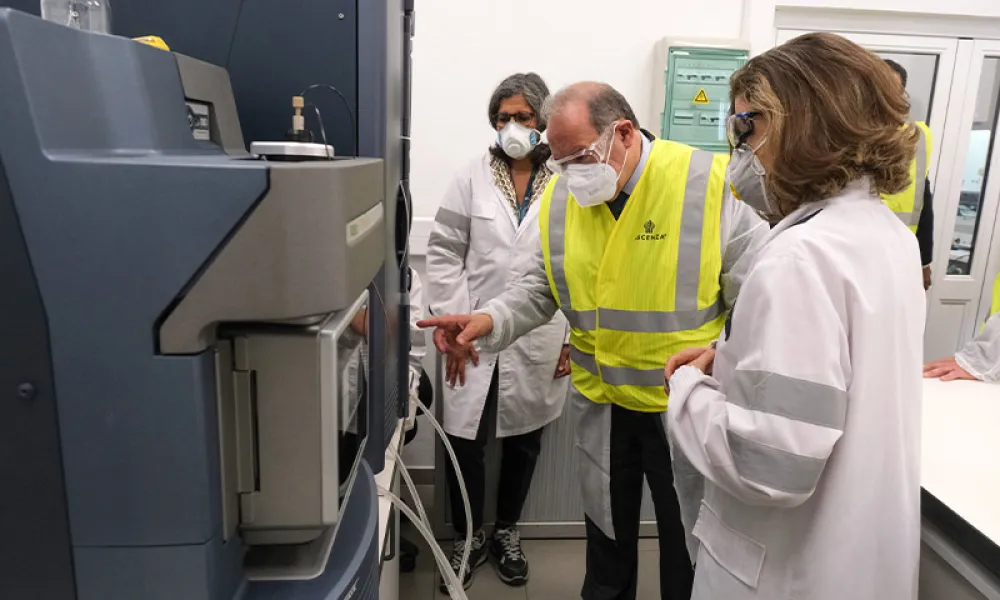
347	105
322	130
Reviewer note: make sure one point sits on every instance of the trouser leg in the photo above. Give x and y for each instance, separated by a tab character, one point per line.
471	455
613	564
517	467
676	572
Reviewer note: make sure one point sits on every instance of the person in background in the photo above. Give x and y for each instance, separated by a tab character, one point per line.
979	360
487	219
644	253
804	420
915	205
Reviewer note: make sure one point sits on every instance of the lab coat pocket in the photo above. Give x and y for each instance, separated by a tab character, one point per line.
483	236
741	556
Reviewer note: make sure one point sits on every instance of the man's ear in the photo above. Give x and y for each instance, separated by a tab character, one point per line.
627	132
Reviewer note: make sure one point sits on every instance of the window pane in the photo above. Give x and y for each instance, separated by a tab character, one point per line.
921	72
963	239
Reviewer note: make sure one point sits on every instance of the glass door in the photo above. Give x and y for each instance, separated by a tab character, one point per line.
966	262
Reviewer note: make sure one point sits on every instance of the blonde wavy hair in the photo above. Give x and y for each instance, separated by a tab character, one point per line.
837	112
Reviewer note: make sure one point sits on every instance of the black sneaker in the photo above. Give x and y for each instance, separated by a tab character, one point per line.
477	558
508	557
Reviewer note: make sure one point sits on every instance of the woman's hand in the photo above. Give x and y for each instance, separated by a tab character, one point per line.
700	358
562	367
947	369
360	323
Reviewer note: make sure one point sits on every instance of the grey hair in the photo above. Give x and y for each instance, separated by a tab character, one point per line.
529	85
604	103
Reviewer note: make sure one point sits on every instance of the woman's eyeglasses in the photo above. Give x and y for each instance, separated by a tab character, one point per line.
739	127
523	118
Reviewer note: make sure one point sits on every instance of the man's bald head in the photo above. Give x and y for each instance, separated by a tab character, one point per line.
603	104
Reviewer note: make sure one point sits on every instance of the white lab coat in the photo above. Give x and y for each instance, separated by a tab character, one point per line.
808	435
475	252
981	356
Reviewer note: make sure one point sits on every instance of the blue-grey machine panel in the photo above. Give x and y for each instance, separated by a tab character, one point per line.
124	244
274	50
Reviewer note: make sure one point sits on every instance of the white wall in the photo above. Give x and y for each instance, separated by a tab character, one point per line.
464	48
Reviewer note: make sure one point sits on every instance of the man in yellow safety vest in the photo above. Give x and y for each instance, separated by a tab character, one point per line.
915	205
644	252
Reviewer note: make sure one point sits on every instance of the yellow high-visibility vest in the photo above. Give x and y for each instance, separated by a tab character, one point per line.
908	203
639	289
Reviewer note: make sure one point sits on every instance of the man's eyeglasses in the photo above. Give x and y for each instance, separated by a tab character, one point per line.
522	117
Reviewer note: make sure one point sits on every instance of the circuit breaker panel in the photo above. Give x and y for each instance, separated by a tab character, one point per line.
694	100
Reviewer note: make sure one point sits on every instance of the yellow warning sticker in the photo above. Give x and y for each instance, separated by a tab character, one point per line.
701	97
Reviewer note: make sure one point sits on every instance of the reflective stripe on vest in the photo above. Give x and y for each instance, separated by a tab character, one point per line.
910	202
626	319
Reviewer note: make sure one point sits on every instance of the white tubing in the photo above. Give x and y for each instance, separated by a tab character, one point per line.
461	487
411	486
453	583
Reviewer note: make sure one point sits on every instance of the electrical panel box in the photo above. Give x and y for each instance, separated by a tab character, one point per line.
693	96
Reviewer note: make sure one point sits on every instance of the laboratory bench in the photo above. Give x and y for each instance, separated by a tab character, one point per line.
960	476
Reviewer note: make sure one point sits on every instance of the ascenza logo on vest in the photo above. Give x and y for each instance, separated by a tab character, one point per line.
650	227
630	311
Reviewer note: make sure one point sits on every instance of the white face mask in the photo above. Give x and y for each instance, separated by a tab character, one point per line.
746	180
593	184
517	141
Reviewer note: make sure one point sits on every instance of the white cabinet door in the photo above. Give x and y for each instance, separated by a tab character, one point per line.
965	260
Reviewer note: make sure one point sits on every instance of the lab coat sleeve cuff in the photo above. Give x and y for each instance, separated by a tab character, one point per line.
963	362
493	341
684	379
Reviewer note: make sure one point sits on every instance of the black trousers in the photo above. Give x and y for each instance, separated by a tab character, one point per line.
638	449
517	467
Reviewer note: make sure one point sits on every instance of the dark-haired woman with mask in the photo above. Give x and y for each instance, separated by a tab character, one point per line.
485	229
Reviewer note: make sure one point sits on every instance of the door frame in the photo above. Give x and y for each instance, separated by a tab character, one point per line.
990	205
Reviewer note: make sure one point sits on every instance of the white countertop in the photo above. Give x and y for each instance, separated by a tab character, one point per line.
961	450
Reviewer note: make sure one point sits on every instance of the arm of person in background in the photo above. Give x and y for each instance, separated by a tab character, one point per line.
925	234
977	360
766	438
447	247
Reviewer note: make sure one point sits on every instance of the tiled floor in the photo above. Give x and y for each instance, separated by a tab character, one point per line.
557	568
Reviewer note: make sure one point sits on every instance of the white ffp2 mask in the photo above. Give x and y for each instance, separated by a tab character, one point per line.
593	184
747	182
517	141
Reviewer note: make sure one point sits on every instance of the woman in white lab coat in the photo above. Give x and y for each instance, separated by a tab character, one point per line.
804	421
485	229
